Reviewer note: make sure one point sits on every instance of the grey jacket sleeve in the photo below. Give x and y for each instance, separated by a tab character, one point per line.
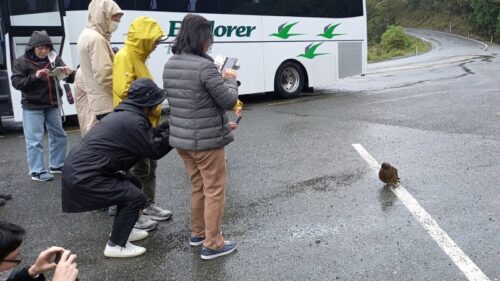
224	92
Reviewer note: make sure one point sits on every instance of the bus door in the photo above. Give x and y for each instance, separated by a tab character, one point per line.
24	17
5	103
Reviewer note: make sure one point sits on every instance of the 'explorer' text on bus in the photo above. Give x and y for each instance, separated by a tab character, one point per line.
219	30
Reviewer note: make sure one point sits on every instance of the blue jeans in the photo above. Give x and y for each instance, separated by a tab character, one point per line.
34	129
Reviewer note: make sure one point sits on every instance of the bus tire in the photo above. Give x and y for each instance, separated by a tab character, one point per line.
289	80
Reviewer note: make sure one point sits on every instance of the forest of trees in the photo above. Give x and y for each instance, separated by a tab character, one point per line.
467	17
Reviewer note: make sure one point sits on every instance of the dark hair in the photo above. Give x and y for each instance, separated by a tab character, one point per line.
195	31
11	237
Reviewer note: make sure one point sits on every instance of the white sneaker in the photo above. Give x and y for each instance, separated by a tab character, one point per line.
137	234
130	250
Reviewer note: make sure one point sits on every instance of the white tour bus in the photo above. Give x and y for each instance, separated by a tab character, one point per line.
285	46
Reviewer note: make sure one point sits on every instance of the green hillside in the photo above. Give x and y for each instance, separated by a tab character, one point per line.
475	18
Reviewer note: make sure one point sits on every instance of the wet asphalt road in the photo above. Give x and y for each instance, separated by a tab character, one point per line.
301	202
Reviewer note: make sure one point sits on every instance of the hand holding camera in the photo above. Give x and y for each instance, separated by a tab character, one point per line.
55	258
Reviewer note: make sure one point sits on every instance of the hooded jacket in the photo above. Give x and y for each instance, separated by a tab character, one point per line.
130	62
95	172
37	93
96	55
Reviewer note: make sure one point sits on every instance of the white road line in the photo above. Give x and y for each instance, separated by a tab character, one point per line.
410	97
461	260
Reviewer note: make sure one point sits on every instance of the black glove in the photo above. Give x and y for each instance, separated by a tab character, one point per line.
134	179
164	126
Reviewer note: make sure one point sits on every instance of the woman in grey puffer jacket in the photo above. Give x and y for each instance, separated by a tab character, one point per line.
199	96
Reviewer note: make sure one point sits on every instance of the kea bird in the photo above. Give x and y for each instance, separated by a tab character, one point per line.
388	174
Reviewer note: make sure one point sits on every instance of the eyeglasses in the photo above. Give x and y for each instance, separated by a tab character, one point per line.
13	261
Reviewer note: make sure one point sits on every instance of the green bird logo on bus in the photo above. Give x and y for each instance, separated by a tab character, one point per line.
284	29
328	31
310	51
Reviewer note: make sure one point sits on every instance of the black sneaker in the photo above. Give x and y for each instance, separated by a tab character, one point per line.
56	170
208	254
196	241
2	201
42	176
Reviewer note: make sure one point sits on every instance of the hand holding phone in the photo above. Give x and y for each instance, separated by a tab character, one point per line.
66	267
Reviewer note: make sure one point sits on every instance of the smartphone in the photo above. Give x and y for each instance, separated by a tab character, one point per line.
230	63
238	120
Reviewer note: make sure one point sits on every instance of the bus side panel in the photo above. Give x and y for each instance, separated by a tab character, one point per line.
325	65
234	36
314	42
251	63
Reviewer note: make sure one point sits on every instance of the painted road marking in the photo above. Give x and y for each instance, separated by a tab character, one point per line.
410	97
281	103
461	260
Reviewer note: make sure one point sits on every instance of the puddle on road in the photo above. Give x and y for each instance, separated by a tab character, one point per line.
314	231
387	198
325	183
318	184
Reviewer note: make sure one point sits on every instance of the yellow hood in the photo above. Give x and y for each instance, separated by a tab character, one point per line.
142	36
100	13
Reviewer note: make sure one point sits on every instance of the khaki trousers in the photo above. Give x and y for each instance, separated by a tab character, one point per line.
207	172
86	117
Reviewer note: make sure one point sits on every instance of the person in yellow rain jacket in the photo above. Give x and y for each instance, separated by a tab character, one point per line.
143	36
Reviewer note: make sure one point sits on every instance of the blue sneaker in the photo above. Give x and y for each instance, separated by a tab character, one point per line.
207	254
56	170
42	176
196	241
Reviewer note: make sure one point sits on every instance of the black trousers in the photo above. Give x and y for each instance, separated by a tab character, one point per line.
127	213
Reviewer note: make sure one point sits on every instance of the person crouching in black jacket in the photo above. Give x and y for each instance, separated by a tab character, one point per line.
96	174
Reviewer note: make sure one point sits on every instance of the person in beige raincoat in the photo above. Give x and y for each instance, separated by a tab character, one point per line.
94	78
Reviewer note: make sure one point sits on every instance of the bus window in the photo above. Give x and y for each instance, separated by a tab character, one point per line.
322	8
242	7
134	4
294	8
21	7
170	5
76	4
202	6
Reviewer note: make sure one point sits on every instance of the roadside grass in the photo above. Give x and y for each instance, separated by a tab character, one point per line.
384	51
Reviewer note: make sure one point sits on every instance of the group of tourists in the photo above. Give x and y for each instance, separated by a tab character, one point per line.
123	132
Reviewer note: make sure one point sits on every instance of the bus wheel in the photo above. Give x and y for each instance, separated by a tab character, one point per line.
289	80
